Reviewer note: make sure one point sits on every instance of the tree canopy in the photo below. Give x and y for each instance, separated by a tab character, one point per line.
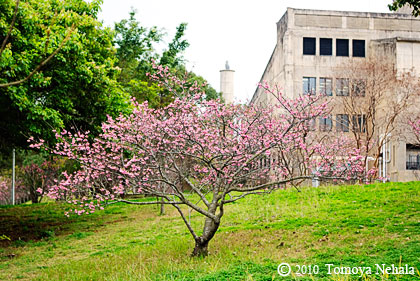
61	69
56	69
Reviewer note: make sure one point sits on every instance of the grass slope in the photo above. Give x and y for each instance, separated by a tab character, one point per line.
340	225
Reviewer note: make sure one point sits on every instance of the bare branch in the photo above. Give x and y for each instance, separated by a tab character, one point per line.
150	202
246	194
186	222
270	184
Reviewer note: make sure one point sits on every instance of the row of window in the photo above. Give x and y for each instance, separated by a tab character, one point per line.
342	123
326	47
343	86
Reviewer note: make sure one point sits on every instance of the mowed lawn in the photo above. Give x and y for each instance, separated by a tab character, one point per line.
348	226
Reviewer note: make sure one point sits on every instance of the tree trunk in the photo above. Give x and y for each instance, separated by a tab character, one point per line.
33	196
162	208
202	242
200	249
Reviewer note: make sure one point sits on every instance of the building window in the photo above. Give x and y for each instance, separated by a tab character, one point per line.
325	86
413	162
309	85
309	47
342	123
359	123
342	87
358	88
342	47
325	124
325	46
413	157
359	48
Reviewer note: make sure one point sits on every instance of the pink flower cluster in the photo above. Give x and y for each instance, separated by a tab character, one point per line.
6	190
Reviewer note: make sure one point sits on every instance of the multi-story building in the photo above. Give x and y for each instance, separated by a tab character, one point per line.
314	48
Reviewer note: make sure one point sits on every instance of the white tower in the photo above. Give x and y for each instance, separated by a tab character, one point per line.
226	83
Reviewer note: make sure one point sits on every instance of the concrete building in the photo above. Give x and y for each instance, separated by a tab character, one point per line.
314	47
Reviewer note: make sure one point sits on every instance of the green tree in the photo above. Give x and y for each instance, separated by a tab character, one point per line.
135	46
56	69
414	4
172	57
135	51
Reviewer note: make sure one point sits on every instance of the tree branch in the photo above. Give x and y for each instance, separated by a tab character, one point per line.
44	62
186	222
246	194
149	203
265	185
3	45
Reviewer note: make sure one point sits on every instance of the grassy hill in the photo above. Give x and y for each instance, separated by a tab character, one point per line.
348	226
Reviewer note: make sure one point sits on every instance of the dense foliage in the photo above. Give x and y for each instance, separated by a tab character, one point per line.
76	87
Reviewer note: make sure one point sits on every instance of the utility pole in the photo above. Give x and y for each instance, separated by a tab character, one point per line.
13	177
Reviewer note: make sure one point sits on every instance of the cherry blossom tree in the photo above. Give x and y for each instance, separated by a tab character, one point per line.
38	178
33	181
198	155
21	193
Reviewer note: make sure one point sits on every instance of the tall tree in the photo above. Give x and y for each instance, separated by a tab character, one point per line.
135	47
56	69
135	52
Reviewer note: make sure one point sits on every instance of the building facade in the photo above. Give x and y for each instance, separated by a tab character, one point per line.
313	52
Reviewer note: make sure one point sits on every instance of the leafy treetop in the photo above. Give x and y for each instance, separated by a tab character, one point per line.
56	69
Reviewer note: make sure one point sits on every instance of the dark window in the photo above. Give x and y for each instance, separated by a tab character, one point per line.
325	124
309	46
358	88
325	86
359	48
413	157
342	47
359	123
309	85
342	123
342	87
325	46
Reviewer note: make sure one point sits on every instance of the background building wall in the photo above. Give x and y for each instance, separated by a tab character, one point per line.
397	35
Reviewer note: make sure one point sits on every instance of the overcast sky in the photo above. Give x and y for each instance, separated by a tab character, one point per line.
240	31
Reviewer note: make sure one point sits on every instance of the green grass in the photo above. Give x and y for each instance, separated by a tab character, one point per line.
348	226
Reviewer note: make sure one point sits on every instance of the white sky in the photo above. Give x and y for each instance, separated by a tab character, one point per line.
240	31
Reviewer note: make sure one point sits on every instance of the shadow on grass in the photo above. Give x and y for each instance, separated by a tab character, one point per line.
34	222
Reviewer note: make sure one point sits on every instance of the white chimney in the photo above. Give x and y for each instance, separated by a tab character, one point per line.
226	83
